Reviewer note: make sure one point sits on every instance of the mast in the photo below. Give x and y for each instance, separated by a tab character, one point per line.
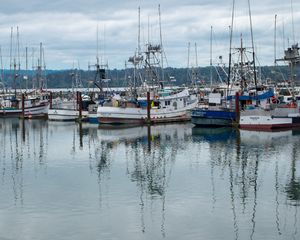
188	63
196	72
210	61
196	54
10	50
2	70
39	69
97	45
275	39
26	68
33	68
252	41
139	31
293	25
18	49
161	45
230	46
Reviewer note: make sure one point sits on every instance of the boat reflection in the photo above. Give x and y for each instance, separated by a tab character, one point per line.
21	140
241	175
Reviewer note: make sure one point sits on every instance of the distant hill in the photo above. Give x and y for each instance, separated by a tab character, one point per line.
119	78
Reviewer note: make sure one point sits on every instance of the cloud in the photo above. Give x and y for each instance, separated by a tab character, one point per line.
68	28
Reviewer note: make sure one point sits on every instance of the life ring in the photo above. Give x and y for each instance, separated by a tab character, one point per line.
275	100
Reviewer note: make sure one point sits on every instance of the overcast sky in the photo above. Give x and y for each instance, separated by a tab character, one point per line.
68	29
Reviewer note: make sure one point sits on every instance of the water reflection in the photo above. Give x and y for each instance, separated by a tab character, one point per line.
21	140
244	182
252	149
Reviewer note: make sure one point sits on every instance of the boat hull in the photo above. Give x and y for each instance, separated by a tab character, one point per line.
30	112
65	114
269	122
213	118
112	115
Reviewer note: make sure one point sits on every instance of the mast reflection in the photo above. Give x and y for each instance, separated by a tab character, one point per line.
21	141
243	156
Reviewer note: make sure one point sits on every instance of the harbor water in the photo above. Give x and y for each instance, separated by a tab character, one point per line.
78	181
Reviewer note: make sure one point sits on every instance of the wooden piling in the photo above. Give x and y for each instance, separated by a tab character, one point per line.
148	108
23	105
237	107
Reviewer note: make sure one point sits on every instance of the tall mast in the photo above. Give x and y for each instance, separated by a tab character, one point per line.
139	32
10	50
33	67
97	45
188	62
26	68
275	39
230	45
196	54
40	69
210	61
161	45
293	25
252	41
196	70
148	30
2	70
18	48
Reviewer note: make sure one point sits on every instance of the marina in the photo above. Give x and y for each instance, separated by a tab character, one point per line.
114	125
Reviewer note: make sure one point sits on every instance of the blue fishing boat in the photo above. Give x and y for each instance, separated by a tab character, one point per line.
214	118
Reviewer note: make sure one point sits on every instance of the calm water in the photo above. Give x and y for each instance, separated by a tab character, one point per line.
71	181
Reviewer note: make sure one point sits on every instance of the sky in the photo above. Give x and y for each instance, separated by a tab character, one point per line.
68	30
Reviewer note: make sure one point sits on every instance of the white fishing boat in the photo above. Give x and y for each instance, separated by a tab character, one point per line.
276	114
65	114
32	105
69	110
167	106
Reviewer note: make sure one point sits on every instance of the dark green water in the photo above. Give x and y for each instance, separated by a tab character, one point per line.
71	181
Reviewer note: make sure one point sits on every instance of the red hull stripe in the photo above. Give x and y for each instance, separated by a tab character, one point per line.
269	126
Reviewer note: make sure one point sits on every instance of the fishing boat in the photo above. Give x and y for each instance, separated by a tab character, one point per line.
215	114
29	106
149	99
74	108
169	105
20	102
276	114
71	110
